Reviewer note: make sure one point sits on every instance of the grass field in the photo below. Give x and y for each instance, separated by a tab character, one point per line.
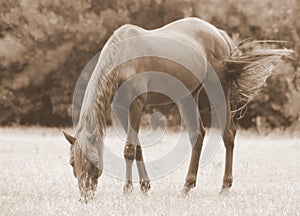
36	179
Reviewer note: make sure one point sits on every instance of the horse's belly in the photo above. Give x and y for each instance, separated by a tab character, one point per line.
163	81
154	98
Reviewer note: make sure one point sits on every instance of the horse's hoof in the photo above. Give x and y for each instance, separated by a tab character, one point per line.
185	191
127	189
224	191
145	186
189	184
227	182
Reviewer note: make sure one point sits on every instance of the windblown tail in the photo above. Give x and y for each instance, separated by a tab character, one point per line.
249	67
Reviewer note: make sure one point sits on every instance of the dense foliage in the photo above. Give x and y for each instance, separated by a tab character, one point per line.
44	45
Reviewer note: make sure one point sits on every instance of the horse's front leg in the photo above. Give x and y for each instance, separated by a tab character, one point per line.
135	113
144	179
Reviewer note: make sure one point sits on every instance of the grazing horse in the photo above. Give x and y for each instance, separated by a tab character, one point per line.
241	70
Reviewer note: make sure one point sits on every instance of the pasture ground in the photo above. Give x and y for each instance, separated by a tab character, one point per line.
36	179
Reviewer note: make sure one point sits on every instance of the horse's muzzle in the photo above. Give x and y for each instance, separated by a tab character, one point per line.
87	187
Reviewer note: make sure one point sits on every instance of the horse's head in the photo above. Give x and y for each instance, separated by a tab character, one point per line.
84	170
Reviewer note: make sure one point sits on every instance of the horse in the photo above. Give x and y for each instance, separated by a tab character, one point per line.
241	71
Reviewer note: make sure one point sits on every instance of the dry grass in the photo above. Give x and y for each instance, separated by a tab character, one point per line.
37	180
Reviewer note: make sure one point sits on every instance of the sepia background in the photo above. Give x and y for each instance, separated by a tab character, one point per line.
44	45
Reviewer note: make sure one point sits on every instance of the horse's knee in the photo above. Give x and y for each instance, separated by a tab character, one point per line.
228	139
129	151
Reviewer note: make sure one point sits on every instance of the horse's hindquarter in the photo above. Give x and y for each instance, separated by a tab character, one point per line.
186	39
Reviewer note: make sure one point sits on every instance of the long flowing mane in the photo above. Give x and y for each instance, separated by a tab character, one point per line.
90	130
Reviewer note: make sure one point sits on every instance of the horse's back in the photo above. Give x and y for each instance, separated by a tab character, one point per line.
194	33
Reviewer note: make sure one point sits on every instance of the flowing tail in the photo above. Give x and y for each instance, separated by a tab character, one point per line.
249	67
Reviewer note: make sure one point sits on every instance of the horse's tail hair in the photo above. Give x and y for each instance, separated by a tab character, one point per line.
249	67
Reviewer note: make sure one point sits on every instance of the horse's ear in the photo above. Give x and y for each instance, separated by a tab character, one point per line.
69	138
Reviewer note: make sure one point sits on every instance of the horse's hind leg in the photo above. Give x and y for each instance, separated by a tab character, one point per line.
192	118
191	177
228	139
135	113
